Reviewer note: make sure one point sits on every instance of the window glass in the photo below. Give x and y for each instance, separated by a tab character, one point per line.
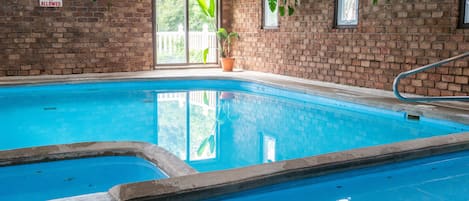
347	12
270	18
466	13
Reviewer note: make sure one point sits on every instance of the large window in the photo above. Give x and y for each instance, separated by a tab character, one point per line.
464	14
183	32
270	19
346	13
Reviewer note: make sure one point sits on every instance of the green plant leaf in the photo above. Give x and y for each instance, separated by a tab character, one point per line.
205	55
375	2
202	147
205	98
211	141
233	35
281	10
222	34
203	6
211	9
291	10
272	5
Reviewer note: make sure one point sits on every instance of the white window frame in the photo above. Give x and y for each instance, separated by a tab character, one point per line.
464	14
270	20
340	21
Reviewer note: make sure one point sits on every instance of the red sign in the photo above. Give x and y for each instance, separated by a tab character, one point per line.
50	3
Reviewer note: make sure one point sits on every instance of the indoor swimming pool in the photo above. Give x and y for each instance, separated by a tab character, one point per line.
212	125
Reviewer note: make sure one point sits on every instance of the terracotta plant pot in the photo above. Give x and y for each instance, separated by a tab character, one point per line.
227	64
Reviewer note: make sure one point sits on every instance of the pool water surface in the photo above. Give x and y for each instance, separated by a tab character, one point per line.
211	124
51	180
436	178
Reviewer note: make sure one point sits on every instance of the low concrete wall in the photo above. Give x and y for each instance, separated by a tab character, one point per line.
167	162
207	185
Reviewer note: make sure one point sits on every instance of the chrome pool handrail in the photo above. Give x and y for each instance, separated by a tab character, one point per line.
423	68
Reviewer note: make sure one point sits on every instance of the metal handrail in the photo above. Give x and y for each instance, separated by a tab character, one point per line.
418	70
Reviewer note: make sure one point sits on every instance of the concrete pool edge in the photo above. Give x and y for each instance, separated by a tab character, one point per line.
164	160
207	185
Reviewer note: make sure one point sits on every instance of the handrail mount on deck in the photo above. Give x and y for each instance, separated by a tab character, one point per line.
418	70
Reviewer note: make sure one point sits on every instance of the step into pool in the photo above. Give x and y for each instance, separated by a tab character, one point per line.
444	177
211	124
58	179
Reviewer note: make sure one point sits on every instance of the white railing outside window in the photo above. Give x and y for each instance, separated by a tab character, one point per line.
195	98
172	43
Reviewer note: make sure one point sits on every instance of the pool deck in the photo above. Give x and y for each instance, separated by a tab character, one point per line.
206	185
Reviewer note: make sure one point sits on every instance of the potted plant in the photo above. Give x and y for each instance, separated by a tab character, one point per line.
224	37
225	40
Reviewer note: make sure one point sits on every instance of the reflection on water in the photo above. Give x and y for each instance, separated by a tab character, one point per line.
211	130
188	130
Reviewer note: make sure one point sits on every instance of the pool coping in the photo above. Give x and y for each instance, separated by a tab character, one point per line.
212	184
164	160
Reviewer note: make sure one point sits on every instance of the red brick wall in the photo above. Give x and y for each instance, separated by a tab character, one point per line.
391	37
81	37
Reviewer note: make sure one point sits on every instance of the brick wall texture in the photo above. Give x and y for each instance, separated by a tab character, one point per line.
116	35
391	37
81	37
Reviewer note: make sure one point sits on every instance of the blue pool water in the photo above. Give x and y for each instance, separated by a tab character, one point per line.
50	180
436	178
211	124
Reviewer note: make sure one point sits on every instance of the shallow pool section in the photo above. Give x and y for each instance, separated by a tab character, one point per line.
443	177
210	124
50	180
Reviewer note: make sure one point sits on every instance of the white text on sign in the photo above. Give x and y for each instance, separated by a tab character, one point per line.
50	3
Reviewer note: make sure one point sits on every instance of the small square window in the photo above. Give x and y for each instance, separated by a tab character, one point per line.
270	19
464	14
346	15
